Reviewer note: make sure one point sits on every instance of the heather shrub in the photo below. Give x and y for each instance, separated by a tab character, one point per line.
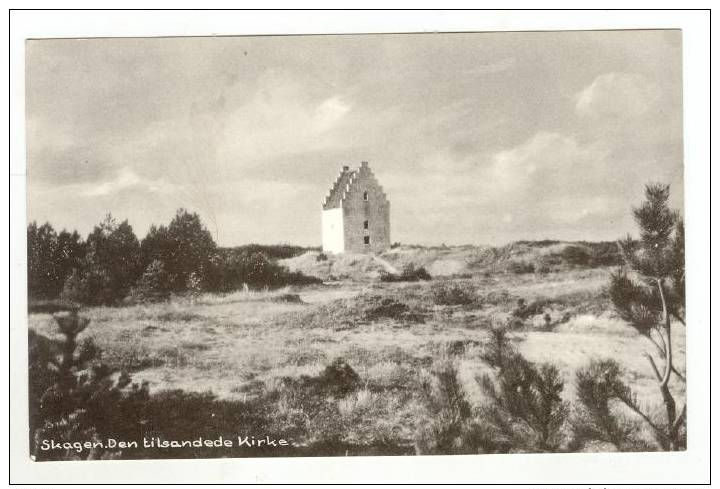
525	310
521	267
410	273
387	307
455	294
576	255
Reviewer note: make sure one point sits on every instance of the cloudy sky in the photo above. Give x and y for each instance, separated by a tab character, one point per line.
476	138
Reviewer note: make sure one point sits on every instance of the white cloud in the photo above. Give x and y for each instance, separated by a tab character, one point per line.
618	95
126	179
552	173
281	118
329	113
544	155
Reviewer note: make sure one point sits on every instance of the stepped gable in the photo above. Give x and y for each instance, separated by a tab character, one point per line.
338	189
366	172
344	183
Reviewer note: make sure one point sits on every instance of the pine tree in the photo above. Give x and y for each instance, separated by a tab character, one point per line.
649	293
75	397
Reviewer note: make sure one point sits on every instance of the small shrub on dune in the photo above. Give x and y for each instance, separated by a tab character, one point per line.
577	255
524	310
288	298
388	308
521	267
339	377
409	274
392	309
455	294
301	407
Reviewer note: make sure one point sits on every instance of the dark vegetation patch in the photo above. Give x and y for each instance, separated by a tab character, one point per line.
50	306
243	269
410	273
462	293
364	309
524	257
273	252
392	309
288	298
337	379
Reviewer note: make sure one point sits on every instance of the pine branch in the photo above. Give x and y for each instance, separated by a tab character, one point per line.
632	404
680	418
654	367
680	376
668	345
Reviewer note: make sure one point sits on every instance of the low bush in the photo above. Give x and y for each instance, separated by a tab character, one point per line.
387	307
521	267
409	274
576	255
525	310
604	253
455	294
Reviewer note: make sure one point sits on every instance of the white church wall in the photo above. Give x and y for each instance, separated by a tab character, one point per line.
333	240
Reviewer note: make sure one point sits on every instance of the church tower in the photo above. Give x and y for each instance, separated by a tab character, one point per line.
356	214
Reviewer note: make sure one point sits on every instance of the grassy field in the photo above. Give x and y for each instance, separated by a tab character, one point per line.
245	345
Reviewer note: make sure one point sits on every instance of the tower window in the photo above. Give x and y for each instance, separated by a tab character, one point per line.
365	196
365	224
367	239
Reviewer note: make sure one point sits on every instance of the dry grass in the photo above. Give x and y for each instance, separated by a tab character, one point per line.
244	344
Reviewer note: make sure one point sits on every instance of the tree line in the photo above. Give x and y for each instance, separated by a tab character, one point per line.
113	265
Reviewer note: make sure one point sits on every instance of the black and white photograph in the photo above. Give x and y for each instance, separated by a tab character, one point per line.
343	245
